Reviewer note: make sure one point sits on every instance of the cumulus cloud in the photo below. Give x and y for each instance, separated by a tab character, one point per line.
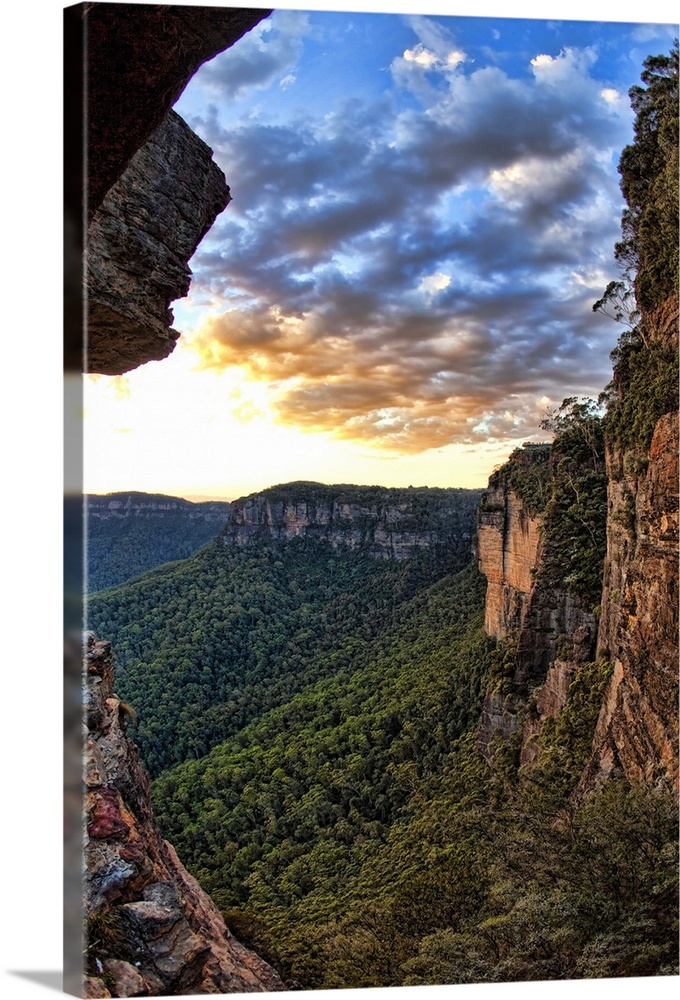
266	54
411	277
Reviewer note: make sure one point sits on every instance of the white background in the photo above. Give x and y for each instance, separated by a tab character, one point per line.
31	648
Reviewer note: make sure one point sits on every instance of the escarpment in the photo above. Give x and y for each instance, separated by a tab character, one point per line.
611	609
382	522
139	244
637	732
545	627
507	539
150	930
130	533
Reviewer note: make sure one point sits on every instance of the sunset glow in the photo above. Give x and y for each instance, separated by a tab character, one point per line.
424	211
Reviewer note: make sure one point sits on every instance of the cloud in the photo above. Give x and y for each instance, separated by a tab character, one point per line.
266	54
420	273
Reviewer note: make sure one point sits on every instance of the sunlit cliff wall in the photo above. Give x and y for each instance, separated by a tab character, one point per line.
637	732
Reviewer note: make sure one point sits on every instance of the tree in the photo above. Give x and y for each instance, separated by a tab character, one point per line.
648	252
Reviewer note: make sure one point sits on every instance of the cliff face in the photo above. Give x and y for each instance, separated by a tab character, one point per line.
125	66
139	59
150	929
637	732
139	244
386	523
551	628
508	542
547	631
130	533
115	506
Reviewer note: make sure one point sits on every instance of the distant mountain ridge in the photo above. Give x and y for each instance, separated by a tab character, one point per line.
131	532
385	522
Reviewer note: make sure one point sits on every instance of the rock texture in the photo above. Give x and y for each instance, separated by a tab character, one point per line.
549	631
139	244
387	523
139	60
637	628
124	68
154	506
151	931
637	732
507	547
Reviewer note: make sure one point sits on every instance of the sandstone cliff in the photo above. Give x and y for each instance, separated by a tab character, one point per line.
637	732
545	629
139	244
150	929
130	533
385	523
116	506
619	613
507	540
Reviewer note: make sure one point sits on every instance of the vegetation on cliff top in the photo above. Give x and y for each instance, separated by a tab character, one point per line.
528	476
127	543
645	379
575	517
648	250
565	483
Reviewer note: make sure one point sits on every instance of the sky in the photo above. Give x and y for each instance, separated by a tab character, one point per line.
424	211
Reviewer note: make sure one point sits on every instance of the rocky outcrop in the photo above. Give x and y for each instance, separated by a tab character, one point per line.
139	244
507	548
385	523
125	67
150	929
138	61
546	631
116	506
637	732
549	630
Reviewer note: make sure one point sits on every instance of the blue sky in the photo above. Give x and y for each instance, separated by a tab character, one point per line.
424	210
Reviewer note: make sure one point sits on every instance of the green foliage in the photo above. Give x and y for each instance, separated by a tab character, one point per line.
284	823
566	740
205	645
528	475
502	665
645	382
355	837
163	530
574	523
643	389
649	183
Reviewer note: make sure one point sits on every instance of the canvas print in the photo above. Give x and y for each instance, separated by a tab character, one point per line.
378	654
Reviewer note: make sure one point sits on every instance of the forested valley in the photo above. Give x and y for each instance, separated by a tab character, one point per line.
311	710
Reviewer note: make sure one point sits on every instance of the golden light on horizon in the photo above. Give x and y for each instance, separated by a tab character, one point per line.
178	428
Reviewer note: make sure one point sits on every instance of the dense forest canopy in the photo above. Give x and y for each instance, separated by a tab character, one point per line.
130	533
207	644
